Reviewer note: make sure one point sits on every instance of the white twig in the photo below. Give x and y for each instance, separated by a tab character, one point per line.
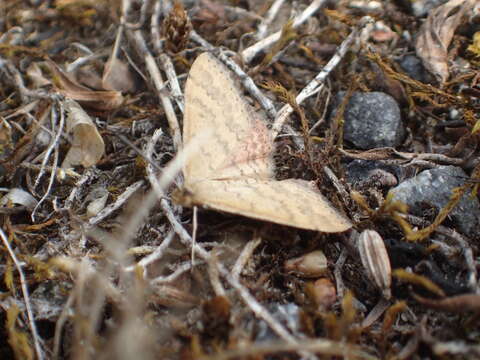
155	27
318	82
129	191
155	256
141	47
26	297
214	276
194	232
54	145
249	53
167	65
175	90
338	273
60	323
245	256
180	269
88	175
269	16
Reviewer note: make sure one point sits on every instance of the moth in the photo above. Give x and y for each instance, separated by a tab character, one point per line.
233	170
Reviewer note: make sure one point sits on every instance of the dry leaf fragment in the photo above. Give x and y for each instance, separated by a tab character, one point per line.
313	264
117	76
20	197
87	143
437	33
100	100
233	172
36	76
375	260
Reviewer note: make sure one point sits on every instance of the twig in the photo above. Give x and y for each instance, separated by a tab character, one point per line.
337	184
54	145
155	256
175	90
246	81
142	50
87	176
26	297
194	232
180	269
338	273
324	112
267	20
60	323
155	27
81	61
214	276
246	254
249	53
318	82
376	312
26	95
238	11
129	191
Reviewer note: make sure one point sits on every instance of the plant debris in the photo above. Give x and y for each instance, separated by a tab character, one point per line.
100	262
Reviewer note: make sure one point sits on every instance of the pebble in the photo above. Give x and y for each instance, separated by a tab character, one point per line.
414	68
434	187
372	120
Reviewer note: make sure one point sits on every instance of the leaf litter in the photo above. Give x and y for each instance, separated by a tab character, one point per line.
95	250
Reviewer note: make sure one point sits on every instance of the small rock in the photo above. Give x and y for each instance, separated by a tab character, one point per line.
434	187
372	120
360	172
414	68
423	7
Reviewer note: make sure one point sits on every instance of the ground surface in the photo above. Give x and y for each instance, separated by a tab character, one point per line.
87	186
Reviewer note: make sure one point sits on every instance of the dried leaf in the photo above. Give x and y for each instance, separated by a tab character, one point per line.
437	33
87	143
313	264
100	100
19	197
117	76
36	76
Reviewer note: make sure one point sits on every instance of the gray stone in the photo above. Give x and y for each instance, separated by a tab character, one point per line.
424	7
434	188
372	120
414	68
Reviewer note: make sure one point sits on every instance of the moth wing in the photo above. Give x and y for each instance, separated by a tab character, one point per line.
239	143
288	202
